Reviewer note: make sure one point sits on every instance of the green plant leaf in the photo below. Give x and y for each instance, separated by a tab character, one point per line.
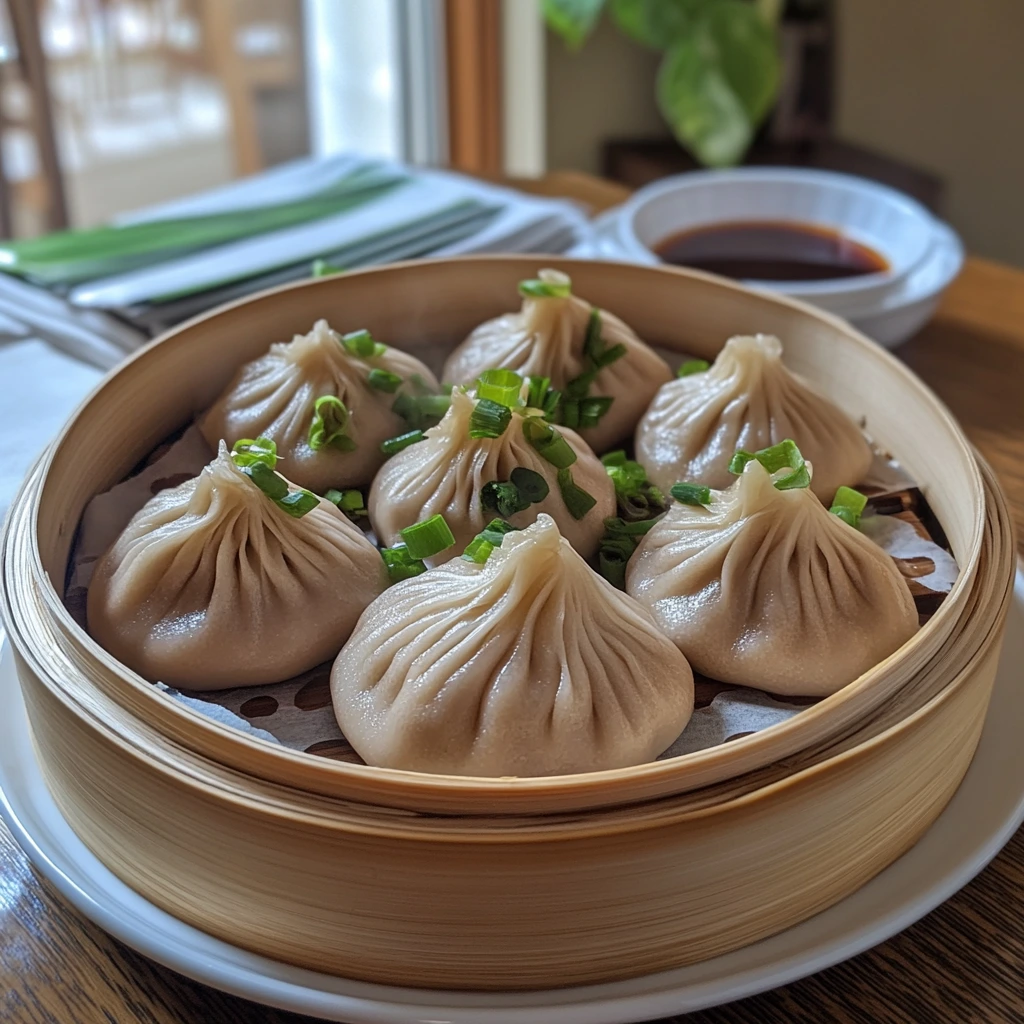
572	20
657	23
703	111
771	11
748	54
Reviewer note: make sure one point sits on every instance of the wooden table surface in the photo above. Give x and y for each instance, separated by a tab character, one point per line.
963	963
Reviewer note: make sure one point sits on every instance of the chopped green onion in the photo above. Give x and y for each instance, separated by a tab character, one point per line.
592	340
478	550
433	407
618	528
592	410
579	387
569	413
503	499
324	268
848	504
400	564
501	386
247	452
612	557
548	442
393	445
784	455
593	344
541	395
537	289
489	419
330	418
272	484
480	547
691	494
359	343
350	502
627	476
612	355
581	413
578	501
428	538
636	497
420	411
577	409
384	380
531	485
296	503
495	530
693	366
739	461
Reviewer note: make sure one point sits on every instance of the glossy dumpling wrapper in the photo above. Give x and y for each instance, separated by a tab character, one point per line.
546	339
530	664
446	472
767	588
275	395
211	585
747	399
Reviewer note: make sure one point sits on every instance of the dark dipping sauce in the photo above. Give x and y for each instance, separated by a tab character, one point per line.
771	251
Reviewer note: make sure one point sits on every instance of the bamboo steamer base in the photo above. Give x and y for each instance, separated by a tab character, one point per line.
421	901
513	915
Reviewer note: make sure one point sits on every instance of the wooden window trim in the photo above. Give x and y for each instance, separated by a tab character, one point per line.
473	43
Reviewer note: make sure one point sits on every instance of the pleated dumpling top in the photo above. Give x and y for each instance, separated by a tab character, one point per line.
326	400
747	399
452	473
529	664
765	587
215	584
587	353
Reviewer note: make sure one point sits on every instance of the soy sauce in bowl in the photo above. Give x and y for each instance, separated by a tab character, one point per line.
771	251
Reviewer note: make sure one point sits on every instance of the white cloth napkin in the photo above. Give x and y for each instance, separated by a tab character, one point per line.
526	223
39	388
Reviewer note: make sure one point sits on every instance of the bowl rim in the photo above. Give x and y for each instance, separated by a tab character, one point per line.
416	790
881	282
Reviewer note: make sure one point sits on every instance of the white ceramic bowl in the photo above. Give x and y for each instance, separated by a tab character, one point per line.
899	315
890	223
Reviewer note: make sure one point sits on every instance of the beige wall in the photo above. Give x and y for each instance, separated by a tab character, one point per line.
939	83
603	90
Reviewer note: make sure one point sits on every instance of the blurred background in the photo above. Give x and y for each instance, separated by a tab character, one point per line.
111	105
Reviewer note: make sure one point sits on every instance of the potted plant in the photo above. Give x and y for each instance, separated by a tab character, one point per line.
725	64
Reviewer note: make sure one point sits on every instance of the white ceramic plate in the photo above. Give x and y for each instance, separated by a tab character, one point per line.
980	819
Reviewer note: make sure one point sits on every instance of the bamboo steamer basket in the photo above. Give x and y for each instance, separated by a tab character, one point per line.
430	305
461	883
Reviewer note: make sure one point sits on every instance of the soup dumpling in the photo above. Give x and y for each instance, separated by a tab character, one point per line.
449	473
747	399
529	664
586	352
333	443
214	584
765	587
